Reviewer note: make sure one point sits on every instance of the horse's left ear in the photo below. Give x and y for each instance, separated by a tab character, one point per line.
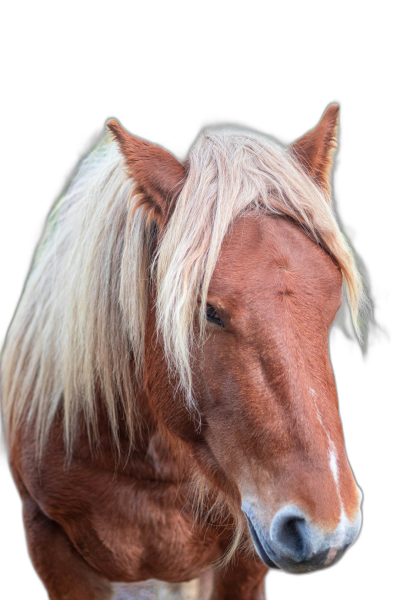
159	175
315	150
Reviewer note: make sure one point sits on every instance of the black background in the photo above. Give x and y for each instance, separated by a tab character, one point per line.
54	110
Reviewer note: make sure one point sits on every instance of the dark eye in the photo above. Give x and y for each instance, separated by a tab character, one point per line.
213	317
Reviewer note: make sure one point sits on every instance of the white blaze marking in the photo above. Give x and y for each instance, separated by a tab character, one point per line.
340	532
332	452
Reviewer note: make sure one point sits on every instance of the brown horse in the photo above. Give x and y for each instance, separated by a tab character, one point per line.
167	391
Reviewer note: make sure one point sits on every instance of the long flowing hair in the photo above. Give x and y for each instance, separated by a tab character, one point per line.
79	328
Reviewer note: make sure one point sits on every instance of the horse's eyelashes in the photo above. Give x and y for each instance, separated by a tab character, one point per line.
213	317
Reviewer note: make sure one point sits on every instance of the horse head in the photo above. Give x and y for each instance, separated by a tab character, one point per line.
252	393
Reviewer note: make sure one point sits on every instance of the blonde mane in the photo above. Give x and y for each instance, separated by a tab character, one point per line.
80	322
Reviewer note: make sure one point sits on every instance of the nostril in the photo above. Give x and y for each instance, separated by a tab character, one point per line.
289	534
292	536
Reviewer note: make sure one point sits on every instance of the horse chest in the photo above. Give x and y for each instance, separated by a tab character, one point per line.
130	525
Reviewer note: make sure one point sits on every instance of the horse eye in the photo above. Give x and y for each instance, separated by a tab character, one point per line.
212	316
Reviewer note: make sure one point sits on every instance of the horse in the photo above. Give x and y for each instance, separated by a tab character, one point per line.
167	394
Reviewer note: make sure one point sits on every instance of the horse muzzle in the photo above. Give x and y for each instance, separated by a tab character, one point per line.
295	544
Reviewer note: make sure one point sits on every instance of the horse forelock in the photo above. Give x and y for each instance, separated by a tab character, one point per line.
230	173
80	324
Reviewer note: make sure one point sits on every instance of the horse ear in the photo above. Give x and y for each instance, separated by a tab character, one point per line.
315	150
159	175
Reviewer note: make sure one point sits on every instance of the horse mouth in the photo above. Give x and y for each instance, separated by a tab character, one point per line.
261	548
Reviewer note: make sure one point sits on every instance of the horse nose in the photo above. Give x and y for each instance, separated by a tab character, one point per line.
296	544
291	536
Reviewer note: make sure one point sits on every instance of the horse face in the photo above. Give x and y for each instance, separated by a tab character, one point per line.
268	397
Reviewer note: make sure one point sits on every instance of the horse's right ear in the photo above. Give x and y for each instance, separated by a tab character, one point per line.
159	175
